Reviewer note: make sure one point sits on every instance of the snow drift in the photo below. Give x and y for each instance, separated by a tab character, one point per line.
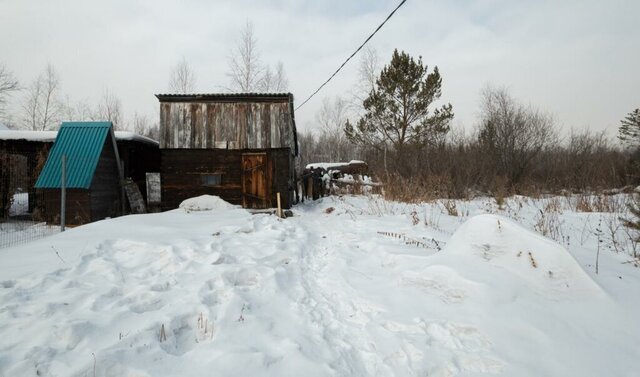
497	246
205	203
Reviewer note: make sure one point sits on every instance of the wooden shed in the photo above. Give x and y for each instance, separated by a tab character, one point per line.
94	171
23	155
241	147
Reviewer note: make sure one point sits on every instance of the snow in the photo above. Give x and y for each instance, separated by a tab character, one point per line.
42	136
500	248
205	203
330	165
369	288
127	135
50	136
19	204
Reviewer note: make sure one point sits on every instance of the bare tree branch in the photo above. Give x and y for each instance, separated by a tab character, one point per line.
281	82
8	84
41	107
245	69
182	80
110	109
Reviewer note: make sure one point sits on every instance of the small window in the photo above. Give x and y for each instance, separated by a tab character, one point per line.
211	179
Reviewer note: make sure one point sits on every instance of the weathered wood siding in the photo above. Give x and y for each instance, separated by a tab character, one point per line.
78	209
232	125
105	185
182	170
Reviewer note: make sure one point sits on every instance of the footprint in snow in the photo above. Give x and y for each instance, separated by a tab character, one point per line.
453	348
242	278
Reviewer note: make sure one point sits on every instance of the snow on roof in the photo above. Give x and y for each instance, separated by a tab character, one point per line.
28	135
50	136
329	165
128	135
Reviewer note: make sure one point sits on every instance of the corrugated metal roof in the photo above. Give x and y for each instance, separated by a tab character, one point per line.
81	143
176	97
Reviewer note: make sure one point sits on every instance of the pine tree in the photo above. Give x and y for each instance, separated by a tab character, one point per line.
633	223
398	109
629	131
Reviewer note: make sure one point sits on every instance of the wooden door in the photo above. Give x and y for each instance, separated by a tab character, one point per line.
255	180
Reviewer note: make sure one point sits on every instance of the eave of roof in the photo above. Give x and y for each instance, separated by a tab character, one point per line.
50	136
225	97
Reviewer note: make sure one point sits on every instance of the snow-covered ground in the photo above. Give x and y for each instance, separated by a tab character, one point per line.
20	204
350	286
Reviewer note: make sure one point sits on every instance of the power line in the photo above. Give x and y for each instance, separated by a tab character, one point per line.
352	55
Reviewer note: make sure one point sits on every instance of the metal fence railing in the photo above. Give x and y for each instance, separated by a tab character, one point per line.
16	232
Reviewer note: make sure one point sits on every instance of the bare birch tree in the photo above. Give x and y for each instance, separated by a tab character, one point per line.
274	81
41	108
267	80
110	109
368	71
51	109
245	69
281	81
30	106
331	117
8	84
182	80
142	125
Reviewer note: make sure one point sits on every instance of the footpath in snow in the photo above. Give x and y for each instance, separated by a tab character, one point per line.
349	286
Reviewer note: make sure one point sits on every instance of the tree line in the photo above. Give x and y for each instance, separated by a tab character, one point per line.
397	122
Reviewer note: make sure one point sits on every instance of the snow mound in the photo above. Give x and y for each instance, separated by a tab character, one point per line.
500	248
205	203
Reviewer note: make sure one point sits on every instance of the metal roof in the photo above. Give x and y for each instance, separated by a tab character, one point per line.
225	97
81	143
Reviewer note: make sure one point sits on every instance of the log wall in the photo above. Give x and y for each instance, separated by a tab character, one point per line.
182	170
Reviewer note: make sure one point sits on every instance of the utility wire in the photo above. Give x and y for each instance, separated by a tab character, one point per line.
352	55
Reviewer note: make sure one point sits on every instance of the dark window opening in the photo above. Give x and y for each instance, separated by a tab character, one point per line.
211	179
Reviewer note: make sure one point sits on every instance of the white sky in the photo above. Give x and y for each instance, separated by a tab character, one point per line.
576	59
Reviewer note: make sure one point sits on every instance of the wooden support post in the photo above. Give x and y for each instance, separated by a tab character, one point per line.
279	206
63	192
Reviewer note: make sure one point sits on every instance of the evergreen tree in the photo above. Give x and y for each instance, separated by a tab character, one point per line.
398	109
629	131
633	223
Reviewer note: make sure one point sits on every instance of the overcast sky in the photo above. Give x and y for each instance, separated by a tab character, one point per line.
578	60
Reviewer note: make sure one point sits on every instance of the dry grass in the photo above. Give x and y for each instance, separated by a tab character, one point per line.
450	207
600	203
500	190
553	205
416	189
548	224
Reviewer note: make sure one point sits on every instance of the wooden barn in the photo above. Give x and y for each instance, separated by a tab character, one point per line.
241	147
96	165
22	155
